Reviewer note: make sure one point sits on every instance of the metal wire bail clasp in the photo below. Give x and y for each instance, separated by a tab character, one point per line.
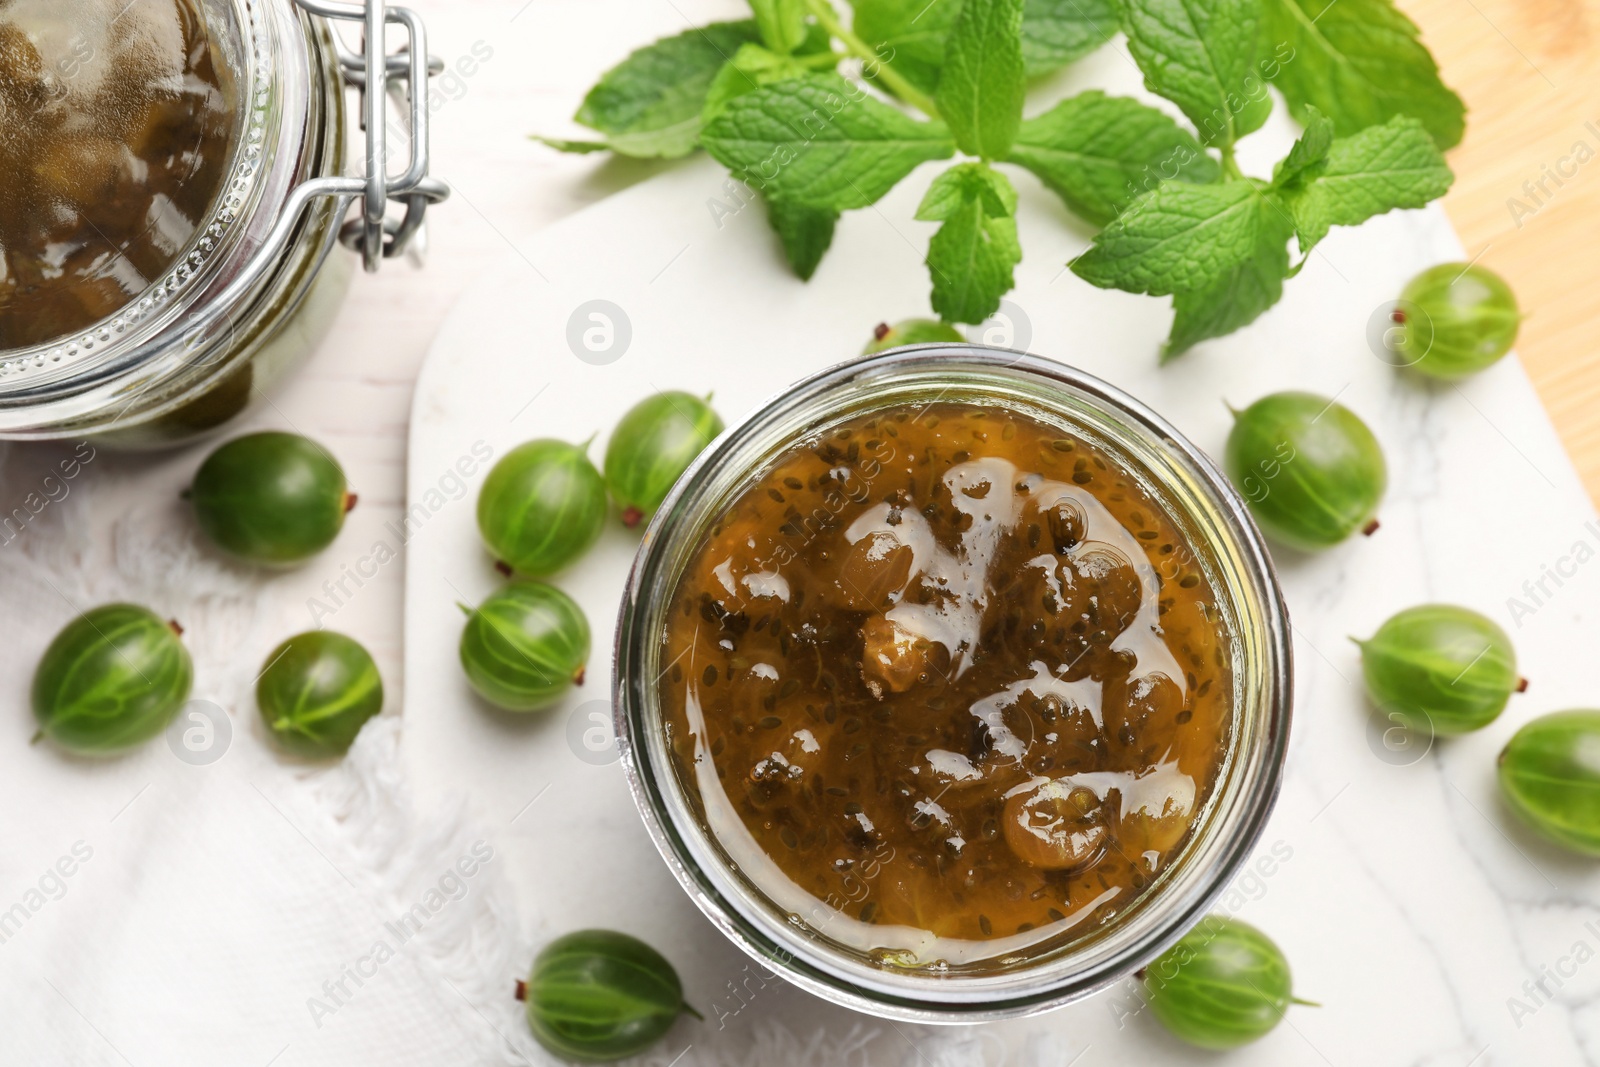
380	76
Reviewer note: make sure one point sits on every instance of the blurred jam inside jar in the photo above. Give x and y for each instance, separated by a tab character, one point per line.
953	676
116	125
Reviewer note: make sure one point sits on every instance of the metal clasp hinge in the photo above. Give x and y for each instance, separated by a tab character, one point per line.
403	77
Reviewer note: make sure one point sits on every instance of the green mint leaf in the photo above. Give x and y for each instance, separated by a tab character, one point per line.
782	23
1058	32
1100	152
1200	54
751	67
1241	294
983	81
821	141
1308	153
968	181
806	233
562	144
973	254
1396	165
1176	238
1361	63
908	34
649	105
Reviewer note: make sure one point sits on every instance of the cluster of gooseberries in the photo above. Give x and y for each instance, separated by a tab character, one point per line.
541	507
118	674
592	995
1313	474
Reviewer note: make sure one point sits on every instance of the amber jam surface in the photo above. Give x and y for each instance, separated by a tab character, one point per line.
947	684
115	130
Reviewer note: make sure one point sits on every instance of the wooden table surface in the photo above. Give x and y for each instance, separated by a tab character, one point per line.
1527	191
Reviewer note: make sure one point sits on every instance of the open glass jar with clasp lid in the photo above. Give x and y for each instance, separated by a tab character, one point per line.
175	182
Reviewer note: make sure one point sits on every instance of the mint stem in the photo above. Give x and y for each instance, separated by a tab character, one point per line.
1230	166
876	67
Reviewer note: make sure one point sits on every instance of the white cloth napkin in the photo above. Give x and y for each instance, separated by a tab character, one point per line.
158	910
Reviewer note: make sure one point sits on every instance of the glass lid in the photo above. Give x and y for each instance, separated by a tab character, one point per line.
119	121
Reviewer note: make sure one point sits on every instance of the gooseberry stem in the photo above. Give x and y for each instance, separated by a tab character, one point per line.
36	738
686	1006
876	68
1306	1003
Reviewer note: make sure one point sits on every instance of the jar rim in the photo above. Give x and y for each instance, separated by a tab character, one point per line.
1242	797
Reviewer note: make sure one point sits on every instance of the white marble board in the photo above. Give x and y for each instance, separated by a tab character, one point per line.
1408	901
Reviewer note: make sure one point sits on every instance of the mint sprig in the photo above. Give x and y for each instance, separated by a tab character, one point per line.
975	250
1220	250
765	98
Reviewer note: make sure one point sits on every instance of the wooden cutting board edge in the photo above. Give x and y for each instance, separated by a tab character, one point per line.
1527	70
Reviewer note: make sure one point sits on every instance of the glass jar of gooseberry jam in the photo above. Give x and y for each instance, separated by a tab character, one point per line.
175	184
953	684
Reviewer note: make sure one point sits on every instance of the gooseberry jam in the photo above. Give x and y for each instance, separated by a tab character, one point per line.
954	675
118	121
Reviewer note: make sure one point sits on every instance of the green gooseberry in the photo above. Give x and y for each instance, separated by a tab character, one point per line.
1454	320
598	995
274	498
1440	669
651	448
316	691
525	646
1310	469
1550	776
542	506
912	332
1224	984
114	677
